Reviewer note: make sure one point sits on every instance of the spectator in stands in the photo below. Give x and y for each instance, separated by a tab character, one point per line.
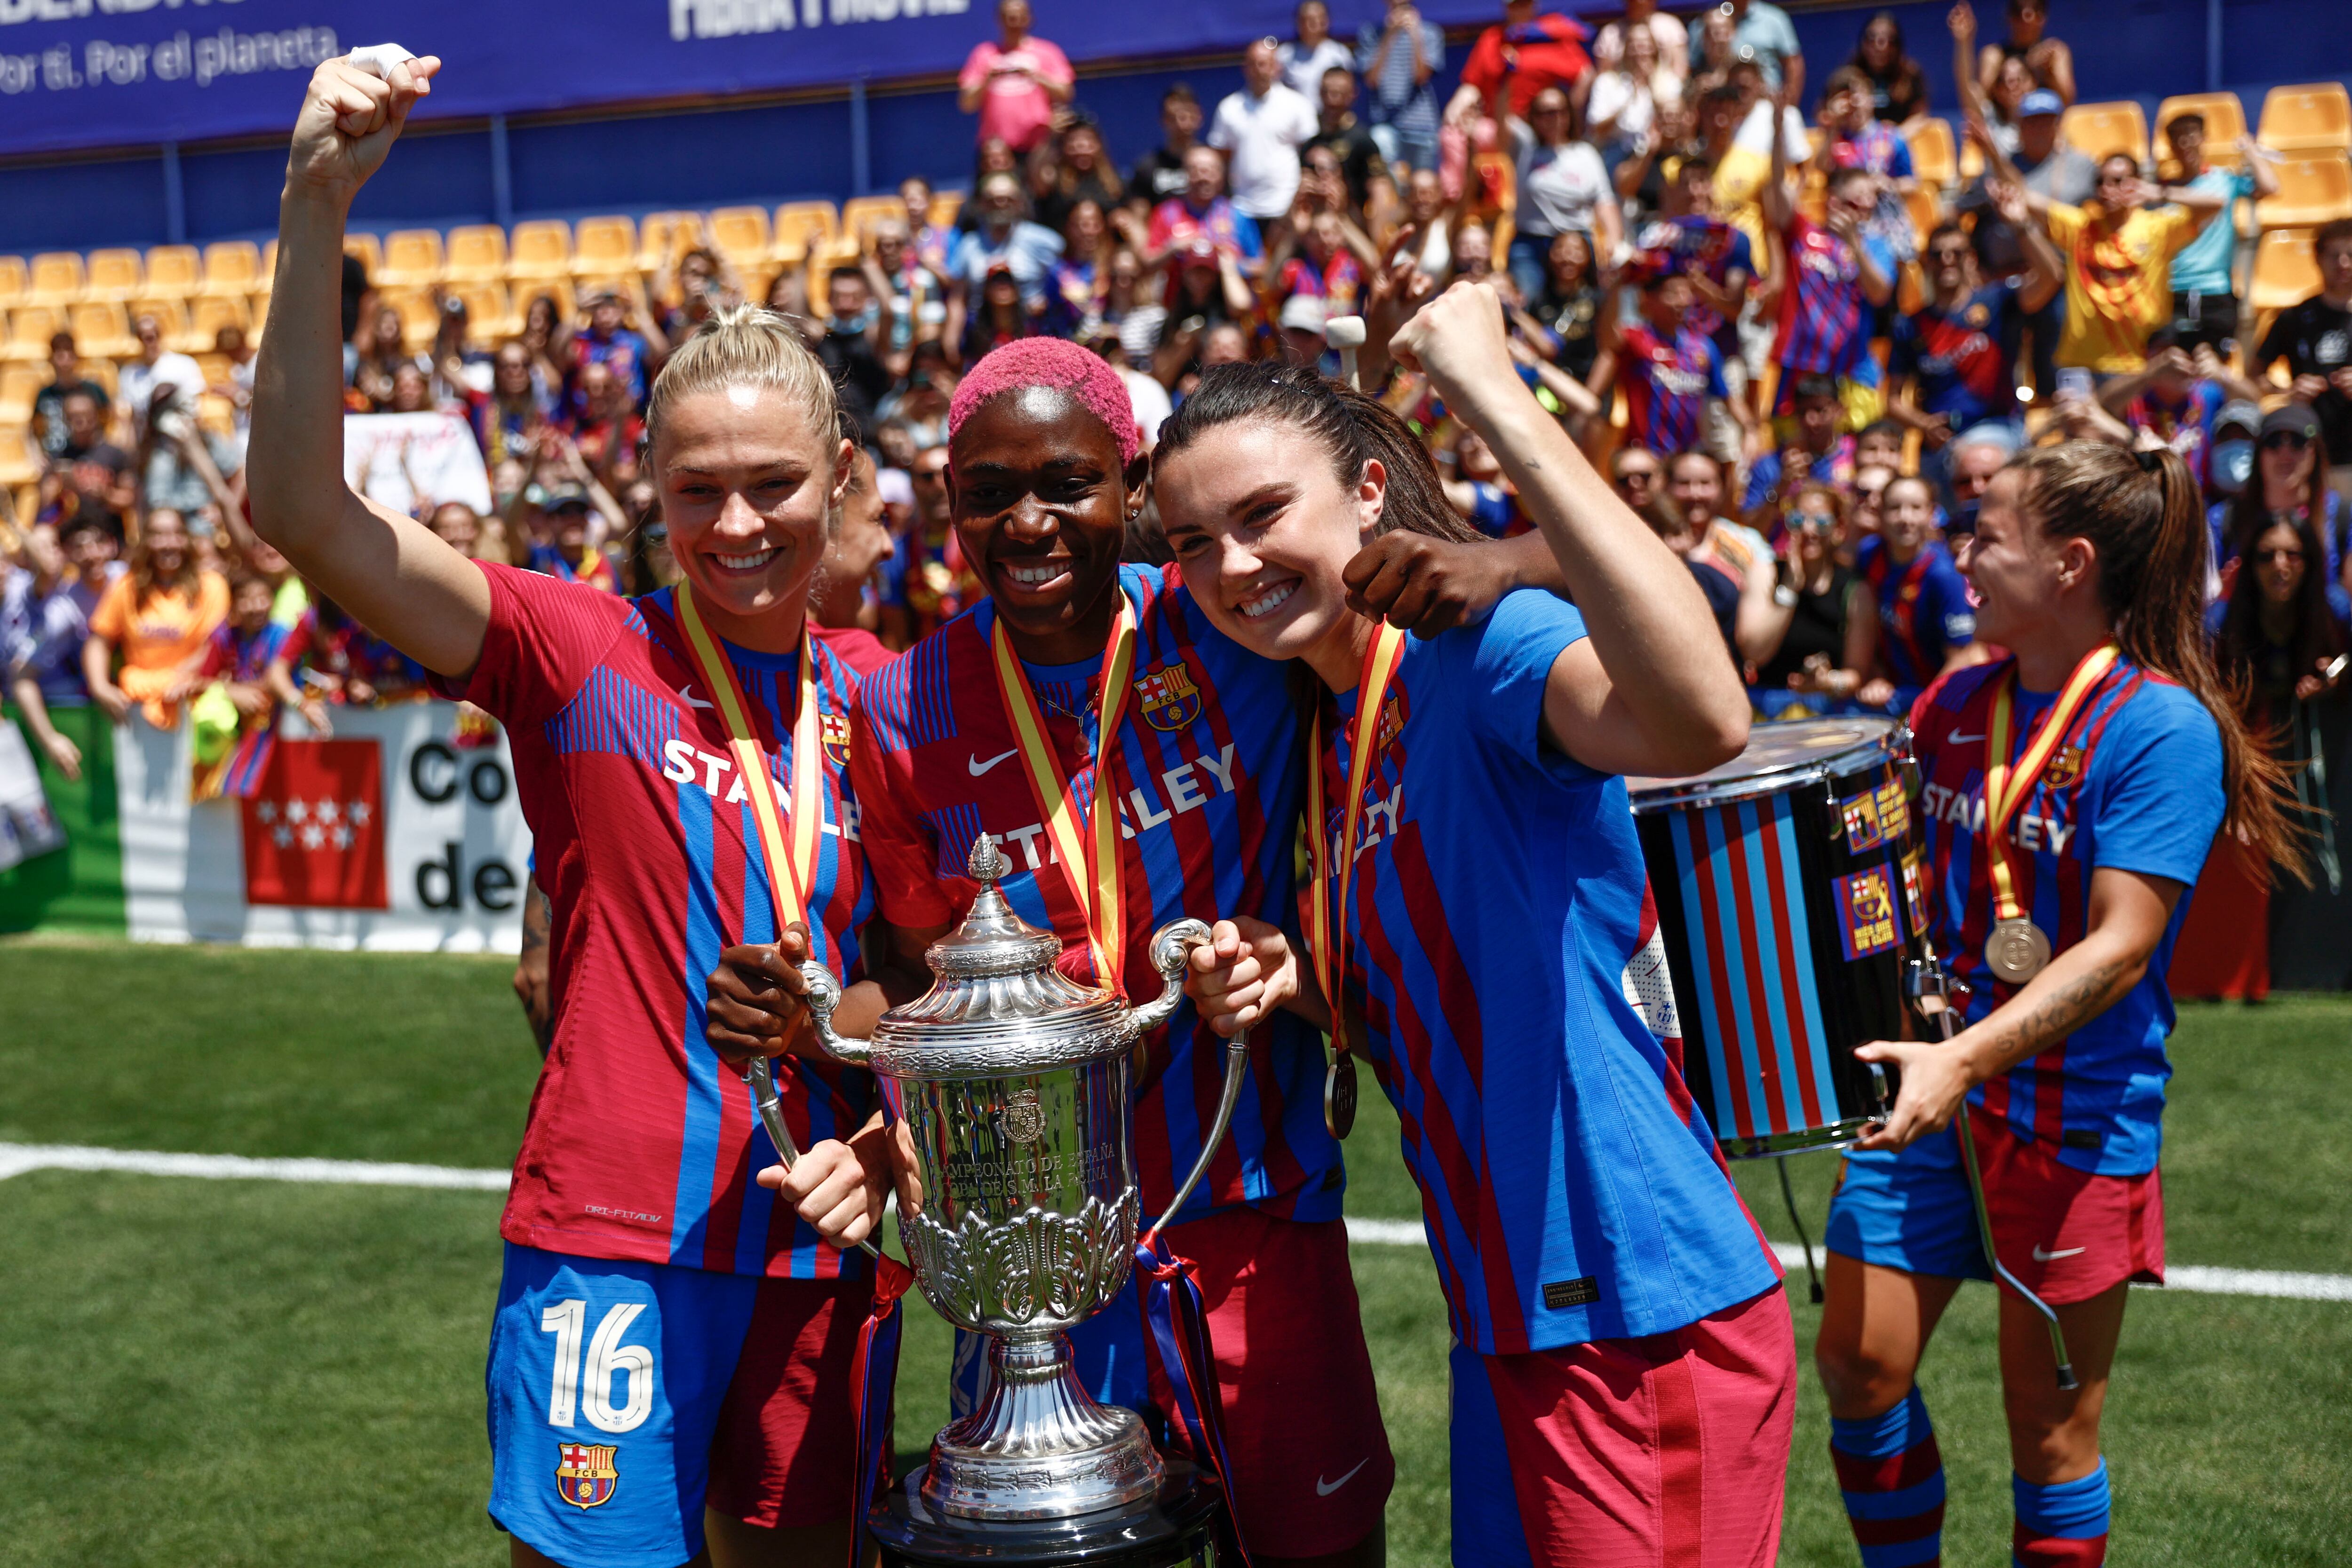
920	402
1015	83
1879	442
1202	212
44	609
1821	452
1977	455
1668	370
930	243
1870	482
137	379
1260	130
459	526
1953	362
1898	88
1321	256
608	340
1736	122
1314	52
2289	484
186	468
1715	256
1510	63
856	333
412	390
1925	623
1622	111
1637	475
2235	429
1004	238
1857	139
377	349
88	475
2204	295
1210	292
2314	339
2051	62
999	317
231	344
65	380
1764	34
506	421
995	156
1837	275
936	581
1370	186
1563	319
1667	32
1399	57
1432	219
2278	630
1474	253
1160	175
917	295
1563	186
548	336
1135	305
1083	173
1079	283
1476	487
1804	670
703	282
604	431
157	616
2175	398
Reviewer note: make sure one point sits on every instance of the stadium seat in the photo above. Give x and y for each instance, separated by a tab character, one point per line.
2315	118
56	279
412	258
2099	129
18	385
173	272
29	329
17	476
859	217
490	316
13	280
171	315
803	227
1934	158
2285	271
103	372
1927	211
257	306
945	205
2314	189
662	238
214	366
207	314
739	233
113	275
478	254
102	331
232	267
367	247
542	247
420	316
2225	122
218	415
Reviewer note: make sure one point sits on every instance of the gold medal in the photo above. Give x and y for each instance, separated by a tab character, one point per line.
1339	1093
2016	951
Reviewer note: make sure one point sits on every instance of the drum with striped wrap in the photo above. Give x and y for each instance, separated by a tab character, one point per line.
1788	894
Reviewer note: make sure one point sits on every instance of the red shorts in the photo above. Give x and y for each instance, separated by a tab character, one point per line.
1662	1451
2067	1235
785	1450
1311	1463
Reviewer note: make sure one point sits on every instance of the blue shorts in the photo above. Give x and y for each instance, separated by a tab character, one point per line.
1908	1209
623	1396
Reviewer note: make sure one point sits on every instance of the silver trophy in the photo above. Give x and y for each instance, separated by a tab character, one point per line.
1016	1085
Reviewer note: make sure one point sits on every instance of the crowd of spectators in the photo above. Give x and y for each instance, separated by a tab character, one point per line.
1800	361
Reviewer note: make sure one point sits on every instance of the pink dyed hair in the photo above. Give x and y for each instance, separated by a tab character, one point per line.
1050	362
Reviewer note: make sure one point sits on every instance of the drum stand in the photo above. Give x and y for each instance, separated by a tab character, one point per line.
1929	981
1789	1195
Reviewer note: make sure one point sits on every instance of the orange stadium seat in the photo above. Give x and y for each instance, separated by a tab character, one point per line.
945	205
30	328
56	279
412	258
490	316
113	275
2099	129
739	233
366	246
218	415
232	267
859	215
257	306
478	254
2285	271
1927	212
18	383
2314	189
207	314
556	288
13	280
420	316
172	272
101	372
542	247
171	315
2315	118
803	227
1933	159
2225	122
102	331
662	238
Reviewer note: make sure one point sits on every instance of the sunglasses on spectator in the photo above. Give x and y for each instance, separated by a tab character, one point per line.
1811	520
2286	554
653	535
2291	440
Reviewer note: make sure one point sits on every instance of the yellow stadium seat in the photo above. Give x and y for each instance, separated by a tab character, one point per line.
945	205
30	327
102	331
218	415
257	308
263	283
214	366
420	316
172	273
859	217
102	372
17	476
171	315
56	279
542	247
662	238
232	267
1933	159
739	233
478	254
2225	122
2315	118
412	258
489	317
113	275
2313	189
18	383
803	227
207	314
1927	212
2286	272
366	246
2099	129
13	280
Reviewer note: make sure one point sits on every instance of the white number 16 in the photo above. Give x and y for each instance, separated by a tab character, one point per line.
606	1356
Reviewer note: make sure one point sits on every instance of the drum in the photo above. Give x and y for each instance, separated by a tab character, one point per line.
1789	894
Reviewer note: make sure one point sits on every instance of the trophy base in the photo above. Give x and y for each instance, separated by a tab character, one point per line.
1181	1525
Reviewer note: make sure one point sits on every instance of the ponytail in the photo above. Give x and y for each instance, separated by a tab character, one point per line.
2140	512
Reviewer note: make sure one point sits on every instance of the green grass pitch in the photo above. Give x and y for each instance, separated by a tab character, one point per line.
197	1372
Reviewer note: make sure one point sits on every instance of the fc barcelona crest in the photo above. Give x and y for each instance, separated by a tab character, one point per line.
1391	723
1170	700
2064	767
586	1477
833	729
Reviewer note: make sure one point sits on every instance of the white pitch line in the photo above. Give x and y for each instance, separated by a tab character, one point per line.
18	1158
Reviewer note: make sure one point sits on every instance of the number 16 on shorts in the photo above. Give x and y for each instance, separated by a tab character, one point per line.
570	1387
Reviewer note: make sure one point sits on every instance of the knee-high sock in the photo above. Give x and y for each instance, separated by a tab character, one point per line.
2061	1526
1891	1476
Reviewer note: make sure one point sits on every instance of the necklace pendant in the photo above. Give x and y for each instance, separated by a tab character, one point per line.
2016	951
1340	1095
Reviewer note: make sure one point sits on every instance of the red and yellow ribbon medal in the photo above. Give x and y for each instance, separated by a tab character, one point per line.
1089	858
1326	948
789	869
2017	949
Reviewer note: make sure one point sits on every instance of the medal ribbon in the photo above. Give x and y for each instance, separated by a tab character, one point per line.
1329	950
1089	857
2006	788
789	873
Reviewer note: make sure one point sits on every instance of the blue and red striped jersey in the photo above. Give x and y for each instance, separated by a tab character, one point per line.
1671	245
2136	785
641	1143
1210	796
1963	360
1666	386
1824	316
1924	611
235	655
1500	921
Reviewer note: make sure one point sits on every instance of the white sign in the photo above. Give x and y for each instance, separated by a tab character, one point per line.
394	459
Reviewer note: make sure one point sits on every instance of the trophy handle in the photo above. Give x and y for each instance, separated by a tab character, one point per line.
1172	947
825	995
1236	1069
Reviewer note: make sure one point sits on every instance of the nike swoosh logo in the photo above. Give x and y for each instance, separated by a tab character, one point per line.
1956	738
976	767
685	693
2042	1257
1325	1489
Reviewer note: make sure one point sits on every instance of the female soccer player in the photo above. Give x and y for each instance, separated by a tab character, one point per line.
1624	1376
2072	789
668	1339
1923	626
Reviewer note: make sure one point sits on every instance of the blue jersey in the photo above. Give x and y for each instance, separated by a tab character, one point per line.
1210	796
1923	609
1569	1189
1963	360
2135	785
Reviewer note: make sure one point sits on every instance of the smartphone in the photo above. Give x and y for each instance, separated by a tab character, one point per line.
2073	382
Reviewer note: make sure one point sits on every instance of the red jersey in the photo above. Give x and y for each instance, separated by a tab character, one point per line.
1547	51
641	1142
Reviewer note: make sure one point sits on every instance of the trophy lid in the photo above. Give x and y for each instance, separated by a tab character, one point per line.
996	999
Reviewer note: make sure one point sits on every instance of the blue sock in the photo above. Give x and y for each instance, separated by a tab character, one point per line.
1890	1475
2061	1526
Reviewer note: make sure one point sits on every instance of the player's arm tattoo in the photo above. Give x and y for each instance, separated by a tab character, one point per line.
2071	1004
